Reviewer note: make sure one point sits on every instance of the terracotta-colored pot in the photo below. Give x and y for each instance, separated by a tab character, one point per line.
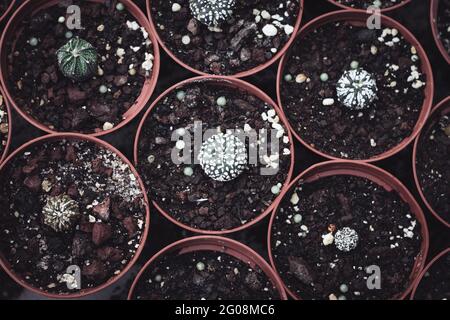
234	83
218	244
31	7
394	7
8	10
427	268
240	74
443	108
434	6
8	142
376	175
359	19
75	136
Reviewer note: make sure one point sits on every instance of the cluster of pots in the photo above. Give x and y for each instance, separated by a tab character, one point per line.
114	229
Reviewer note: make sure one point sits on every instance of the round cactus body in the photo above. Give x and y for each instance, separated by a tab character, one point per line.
356	89
77	59
212	12
223	157
346	239
60	213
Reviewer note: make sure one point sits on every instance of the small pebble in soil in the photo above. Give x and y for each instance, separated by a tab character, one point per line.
120	6
354	64
298	218
103	89
68	34
186	40
176	7
288	77
158	278
343	288
275	189
200	266
61	19
221	101
270	30
188	171
33	42
324	77
181	95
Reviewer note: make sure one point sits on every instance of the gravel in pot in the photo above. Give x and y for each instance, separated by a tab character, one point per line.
89	80
70	203
197	192
333	229
384	5
4	126
434	283
432	162
354	93
225	37
201	269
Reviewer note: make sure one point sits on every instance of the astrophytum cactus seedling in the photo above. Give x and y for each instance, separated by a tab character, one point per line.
212	12
77	59
223	157
356	89
60	213
346	239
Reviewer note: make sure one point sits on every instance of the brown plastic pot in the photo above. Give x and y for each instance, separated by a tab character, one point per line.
376	175
242	74
428	267
434	6
359	18
8	142
233	83
8	10
31	7
443	108
394	7
217	244
80	137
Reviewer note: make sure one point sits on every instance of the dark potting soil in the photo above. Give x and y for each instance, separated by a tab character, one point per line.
203	275
305	243
364	4
443	23
435	285
41	90
314	109
101	240
4	125
256	31
433	164
194	198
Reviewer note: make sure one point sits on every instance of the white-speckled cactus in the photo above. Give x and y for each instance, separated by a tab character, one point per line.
346	239
60	213
212	12
223	157
77	59
356	89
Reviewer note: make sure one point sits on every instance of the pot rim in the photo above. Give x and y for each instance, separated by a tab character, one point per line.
100	143
139	104
376	175
241	74
425	270
385	10
253	90
444	104
8	10
9	137
220	244
434	5
355	15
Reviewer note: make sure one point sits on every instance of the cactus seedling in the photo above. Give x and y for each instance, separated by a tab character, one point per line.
77	59
223	157
60	213
212	12
346	239
356	89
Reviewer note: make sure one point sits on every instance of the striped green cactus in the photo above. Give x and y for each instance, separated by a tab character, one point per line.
77	59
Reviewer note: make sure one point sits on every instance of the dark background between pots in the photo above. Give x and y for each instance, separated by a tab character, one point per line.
414	16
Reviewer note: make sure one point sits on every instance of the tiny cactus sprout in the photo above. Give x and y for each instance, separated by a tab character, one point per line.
60	213
356	89
212	12
77	59
223	157
346	239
